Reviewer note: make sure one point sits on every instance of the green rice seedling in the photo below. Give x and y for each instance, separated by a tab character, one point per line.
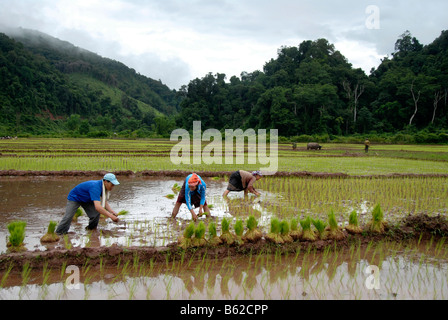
123	213
252	234
284	232
6	274
213	238
176	188
353	225
334	232
307	233
377	224
320	227
26	273
295	232
226	236
199	235
16	235
79	212
170	196
274	232
185	241
50	236
67	243
239	229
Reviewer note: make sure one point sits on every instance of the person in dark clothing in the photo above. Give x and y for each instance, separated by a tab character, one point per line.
366	145
243	181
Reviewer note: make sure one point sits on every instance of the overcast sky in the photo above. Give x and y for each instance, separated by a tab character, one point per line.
179	40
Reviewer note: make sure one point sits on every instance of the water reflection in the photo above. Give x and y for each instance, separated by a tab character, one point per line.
407	271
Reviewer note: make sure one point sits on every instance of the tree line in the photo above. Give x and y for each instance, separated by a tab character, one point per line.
307	91
312	89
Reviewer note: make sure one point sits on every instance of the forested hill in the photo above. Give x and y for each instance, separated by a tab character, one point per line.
312	89
48	85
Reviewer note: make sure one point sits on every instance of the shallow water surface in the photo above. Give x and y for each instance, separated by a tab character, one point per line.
417	271
401	272
39	200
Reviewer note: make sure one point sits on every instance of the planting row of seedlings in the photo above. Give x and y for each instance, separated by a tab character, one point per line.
280	232
17	232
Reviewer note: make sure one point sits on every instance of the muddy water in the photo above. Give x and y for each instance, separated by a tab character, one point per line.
39	200
405	271
400	272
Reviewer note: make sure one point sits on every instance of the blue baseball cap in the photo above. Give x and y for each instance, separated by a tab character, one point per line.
112	178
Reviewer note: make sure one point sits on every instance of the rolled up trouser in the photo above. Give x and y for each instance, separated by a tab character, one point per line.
70	210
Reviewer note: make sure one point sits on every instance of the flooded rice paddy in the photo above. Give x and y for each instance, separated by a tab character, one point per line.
37	201
410	270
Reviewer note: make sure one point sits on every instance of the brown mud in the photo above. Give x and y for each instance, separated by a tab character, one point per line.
418	227
183	173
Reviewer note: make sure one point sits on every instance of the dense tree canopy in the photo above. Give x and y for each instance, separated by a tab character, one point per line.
313	89
48	86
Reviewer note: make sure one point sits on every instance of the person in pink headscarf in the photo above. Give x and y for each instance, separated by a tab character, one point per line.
192	194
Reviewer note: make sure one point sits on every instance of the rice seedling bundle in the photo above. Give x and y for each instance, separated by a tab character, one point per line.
353	225
274	233
169	196
334	232
185	240
213	239
239	229
295	232
307	233
226	236
284	232
50	236
176	188
16	235
377	224
199	236
78	213
123	213
320	227
252	233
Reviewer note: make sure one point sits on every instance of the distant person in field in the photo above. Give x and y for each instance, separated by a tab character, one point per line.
92	197
366	145
243	180
192	194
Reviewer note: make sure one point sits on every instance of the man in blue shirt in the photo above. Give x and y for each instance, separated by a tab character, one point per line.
88	195
192	193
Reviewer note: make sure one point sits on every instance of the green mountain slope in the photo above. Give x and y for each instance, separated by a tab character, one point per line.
44	81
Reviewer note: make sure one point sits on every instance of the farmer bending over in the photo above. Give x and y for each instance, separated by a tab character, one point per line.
92	197
192	193
242	180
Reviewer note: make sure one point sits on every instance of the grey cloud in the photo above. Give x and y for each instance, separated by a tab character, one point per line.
172	72
264	23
